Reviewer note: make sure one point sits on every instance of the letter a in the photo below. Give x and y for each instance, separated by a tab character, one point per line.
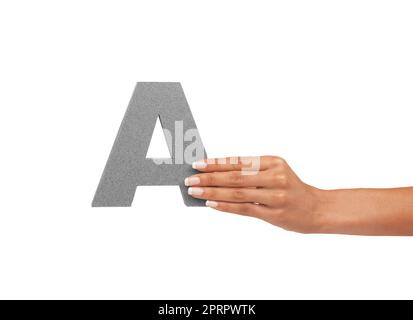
128	167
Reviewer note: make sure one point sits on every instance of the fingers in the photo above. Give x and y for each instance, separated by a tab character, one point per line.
251	186
237	163
245	209
263	196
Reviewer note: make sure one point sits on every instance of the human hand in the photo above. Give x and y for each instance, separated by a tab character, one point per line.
262	187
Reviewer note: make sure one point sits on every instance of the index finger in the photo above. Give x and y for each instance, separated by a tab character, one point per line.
247	164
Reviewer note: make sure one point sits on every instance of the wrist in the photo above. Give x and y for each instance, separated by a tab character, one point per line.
327	211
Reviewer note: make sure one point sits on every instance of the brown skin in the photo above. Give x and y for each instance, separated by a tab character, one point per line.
275	194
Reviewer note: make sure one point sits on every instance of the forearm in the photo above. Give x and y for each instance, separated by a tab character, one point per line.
366	211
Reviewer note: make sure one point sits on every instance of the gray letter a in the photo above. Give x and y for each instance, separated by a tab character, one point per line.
128	167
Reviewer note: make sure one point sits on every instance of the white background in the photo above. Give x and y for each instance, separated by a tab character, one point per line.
325	84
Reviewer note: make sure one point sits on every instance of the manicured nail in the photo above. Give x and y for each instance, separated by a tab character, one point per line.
191	181
211	204
195	191
199	165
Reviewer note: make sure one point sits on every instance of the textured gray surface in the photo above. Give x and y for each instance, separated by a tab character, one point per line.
127	166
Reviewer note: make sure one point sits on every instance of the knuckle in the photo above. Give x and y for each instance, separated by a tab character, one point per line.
248	210
238	194
279	198
277	179
282	180
236	178
272	174
210	193
208	179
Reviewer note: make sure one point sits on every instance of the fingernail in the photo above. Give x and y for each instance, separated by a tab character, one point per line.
211	204
195	191
199	165
191	181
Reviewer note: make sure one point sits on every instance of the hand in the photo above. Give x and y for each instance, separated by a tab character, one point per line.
262	187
